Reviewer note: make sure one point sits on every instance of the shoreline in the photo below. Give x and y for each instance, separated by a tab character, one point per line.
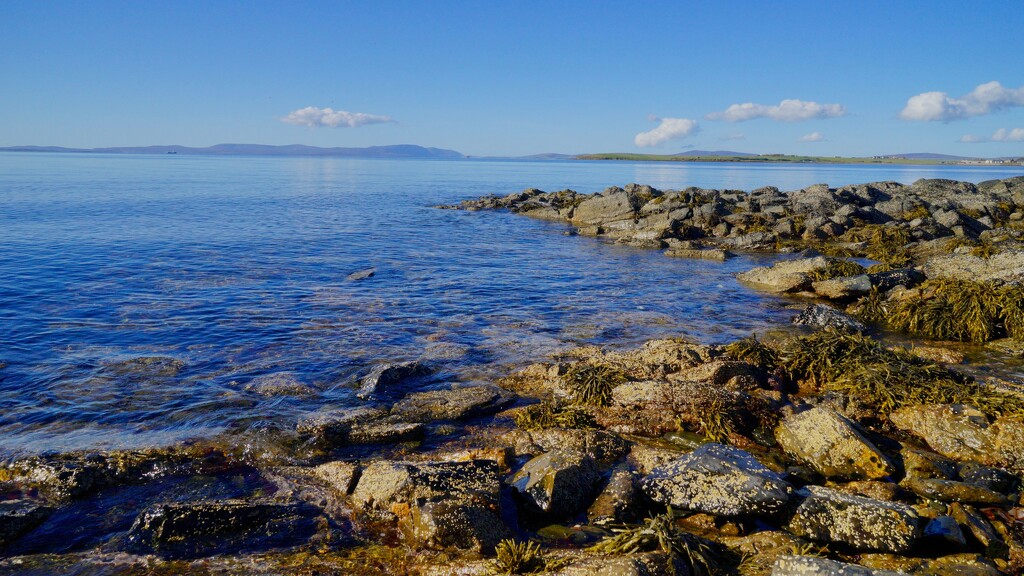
578	450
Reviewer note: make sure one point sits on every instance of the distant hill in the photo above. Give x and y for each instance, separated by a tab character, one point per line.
395	151
927	156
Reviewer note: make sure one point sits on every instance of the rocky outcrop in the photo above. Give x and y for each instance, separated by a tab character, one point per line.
457	403
828	515
558	483
832	445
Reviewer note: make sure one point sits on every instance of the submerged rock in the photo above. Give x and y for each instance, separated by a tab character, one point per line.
828	515
18	517
719	480
831	445
195	529
384	376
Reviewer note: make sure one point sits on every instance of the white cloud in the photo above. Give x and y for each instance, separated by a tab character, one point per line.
314	117
985	99
1001	135
786	111
668	129
812	137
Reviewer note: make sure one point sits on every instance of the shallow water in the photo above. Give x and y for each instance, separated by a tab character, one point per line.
237	268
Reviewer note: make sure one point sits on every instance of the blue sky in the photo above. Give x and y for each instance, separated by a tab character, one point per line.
516	78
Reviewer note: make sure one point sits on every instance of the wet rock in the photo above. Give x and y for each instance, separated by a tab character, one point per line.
195	529
617	502
719	480
334	426
342	476
885	491
361	274
885	281
961	565
454	404
822	316
843	288
18	517
645	457
447	524
603	447
637	564
969	518
924	464
831	445
386	376
814	566
385	433
953	491
944	533
279	384
786	276
712	254
828	515
995	479
1008	346
384	483
559	483
953	430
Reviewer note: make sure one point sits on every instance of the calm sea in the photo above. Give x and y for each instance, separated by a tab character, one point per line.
236	267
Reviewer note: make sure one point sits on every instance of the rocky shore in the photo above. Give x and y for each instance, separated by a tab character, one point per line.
816	452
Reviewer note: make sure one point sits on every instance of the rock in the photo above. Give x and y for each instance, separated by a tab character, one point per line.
645	457
617	502
885	491
815	566
712	254
944	533
831	445
822	316
612	205
385	376
636	564
719	480
361	274
937	354
953	430
953	491
721	372
785	276
924	464
205	528
18	517
458	403
384	433
559	483
447	524
334	426
1008	266
603	447
279	384
994	479
828	515
885	281
387	486
843	288
1008	346
979	527
342	476
146	367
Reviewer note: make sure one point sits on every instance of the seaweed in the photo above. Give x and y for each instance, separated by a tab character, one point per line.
591	384
754	352
886	244
513	557
964	310
545	415
661	533
836	269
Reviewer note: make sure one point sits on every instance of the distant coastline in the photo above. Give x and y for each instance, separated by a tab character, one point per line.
411	151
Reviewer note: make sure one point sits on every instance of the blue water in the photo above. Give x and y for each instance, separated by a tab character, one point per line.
237	267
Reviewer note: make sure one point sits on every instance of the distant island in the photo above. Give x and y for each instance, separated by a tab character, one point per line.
725	156
395	151
411	151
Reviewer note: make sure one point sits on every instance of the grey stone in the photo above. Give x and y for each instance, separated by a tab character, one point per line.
828	515
823	316
385	482
719	480
815	566
831	445
558	483
785	276
455	404
384	376
361	274
943	532
617	502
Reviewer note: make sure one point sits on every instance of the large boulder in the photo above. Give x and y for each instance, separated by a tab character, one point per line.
953	430
828	515
831	445
720	480
612	205
1008	266
558	483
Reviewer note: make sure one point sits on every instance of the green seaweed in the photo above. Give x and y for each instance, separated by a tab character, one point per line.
661	533
545	415
591	384
836	269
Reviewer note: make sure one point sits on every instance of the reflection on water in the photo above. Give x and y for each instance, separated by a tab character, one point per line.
236	269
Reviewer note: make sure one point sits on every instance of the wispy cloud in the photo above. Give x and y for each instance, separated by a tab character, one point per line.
668	129
985	99
316	117
786	111
1001	135
812	137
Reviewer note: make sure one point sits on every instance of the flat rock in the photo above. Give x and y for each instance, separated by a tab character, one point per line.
843	288
385	433
832	445
828	515
334	425
785	276
559	483
822	316
454	404
713	254
953	430
603	447
204	528
1007	266
342	476
279	384
815	566
720	480
953	491
385	483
